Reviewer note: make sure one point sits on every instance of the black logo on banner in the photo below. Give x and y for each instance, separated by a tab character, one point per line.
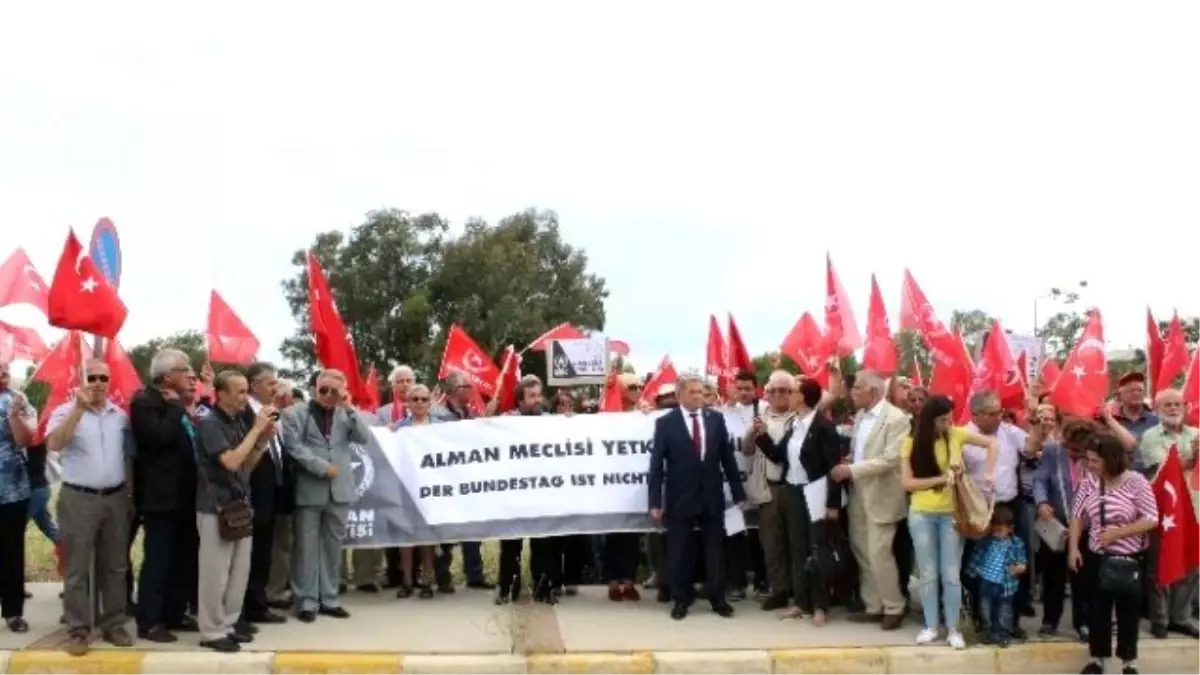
562	364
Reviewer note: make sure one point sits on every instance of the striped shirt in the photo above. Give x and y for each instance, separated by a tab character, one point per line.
1132	502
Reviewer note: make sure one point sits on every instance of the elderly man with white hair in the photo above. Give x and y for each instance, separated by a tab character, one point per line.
165	481
774	421
878	500
392	414
1170	608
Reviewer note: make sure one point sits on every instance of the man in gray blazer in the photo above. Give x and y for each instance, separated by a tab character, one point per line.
318	435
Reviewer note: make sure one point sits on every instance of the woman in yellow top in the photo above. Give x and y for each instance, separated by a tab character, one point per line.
930	460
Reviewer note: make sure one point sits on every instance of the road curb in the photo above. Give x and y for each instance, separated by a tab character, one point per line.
1155	656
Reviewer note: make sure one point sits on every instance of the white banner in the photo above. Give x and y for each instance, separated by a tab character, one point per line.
577	361
510	476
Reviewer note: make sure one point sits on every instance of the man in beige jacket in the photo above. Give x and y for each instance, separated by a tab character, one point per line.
877	498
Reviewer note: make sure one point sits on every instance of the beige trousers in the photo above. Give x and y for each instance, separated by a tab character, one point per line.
224	571
363	567
871	543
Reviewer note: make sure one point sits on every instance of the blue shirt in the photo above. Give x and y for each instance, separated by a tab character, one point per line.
1145	422
991	558
14	477
94	456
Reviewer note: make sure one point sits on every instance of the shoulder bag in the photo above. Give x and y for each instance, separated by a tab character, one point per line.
972	508
1117	574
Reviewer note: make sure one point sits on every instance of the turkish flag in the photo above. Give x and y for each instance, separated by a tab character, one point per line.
998	372
1155	348
80	298
1179	533
1191	391
880	352
510	376
1083	384
1174	358
716	358
464	355
331	340
18	342
620	347
953	371
229	340
21	283
665	374
60	371
371	393
1049	375
841	330
806	346
739	357
123	376
563	331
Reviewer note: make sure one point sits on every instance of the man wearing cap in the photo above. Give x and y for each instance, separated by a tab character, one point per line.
1132	412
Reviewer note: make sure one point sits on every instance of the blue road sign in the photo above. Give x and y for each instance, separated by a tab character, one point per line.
105	251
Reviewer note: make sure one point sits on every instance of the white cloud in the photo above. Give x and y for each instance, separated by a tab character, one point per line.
705	157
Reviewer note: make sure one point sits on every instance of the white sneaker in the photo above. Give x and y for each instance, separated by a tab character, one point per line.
956	640
927	636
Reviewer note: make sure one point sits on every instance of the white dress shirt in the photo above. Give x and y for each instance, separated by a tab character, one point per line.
687	423
866	422
796	475
1008	459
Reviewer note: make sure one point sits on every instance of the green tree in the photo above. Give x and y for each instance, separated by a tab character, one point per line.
190	342
910	348
35	390
763	367
507	284
971	325
401	281
1062	330
380	276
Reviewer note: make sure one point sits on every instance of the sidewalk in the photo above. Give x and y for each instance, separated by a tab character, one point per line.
465	633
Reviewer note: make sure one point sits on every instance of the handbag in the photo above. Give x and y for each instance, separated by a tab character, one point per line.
972	508
235	520
1118	575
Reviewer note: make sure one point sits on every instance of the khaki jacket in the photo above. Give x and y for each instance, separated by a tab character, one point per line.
877	477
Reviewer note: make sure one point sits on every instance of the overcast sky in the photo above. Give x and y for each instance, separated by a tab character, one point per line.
706	159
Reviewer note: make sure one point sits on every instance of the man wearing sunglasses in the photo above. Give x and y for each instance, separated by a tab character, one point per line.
318	436
93	507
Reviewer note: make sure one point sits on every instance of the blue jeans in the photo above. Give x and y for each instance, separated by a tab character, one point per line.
938	548
995	611
39	512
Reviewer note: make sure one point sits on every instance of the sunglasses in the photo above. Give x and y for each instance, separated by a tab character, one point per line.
419	399
326	391
634	387
93	379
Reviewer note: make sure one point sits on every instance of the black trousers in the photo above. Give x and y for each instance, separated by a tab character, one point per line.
392	572
168	578
902	549
576	556
1055	576
255	604
509	580
13	517
1129	616
681	556
621	556
546	565
808	541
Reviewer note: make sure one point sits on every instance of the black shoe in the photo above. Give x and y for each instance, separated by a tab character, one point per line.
267	617
245	627
1189	629
1028	611
225	645
341	589
1019	633
774	602
446	589
663	595
185	625
240	638
279	604
404	591
1129	670
723	610
679	611
1159	631
425	593
158	634
368	588
546	598
1047	631
503	599
28	595
480	585
306	616
1092	668
18	625
335	612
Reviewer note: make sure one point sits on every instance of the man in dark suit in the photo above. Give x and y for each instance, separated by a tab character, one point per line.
266	488
695	443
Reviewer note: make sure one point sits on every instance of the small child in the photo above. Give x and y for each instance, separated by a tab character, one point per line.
997	562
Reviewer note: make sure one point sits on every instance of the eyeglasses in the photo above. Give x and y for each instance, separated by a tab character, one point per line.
326	391
419	399
93	379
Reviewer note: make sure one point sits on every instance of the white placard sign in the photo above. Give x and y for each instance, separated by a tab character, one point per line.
576	361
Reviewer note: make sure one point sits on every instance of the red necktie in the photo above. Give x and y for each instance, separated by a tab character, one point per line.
696	434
